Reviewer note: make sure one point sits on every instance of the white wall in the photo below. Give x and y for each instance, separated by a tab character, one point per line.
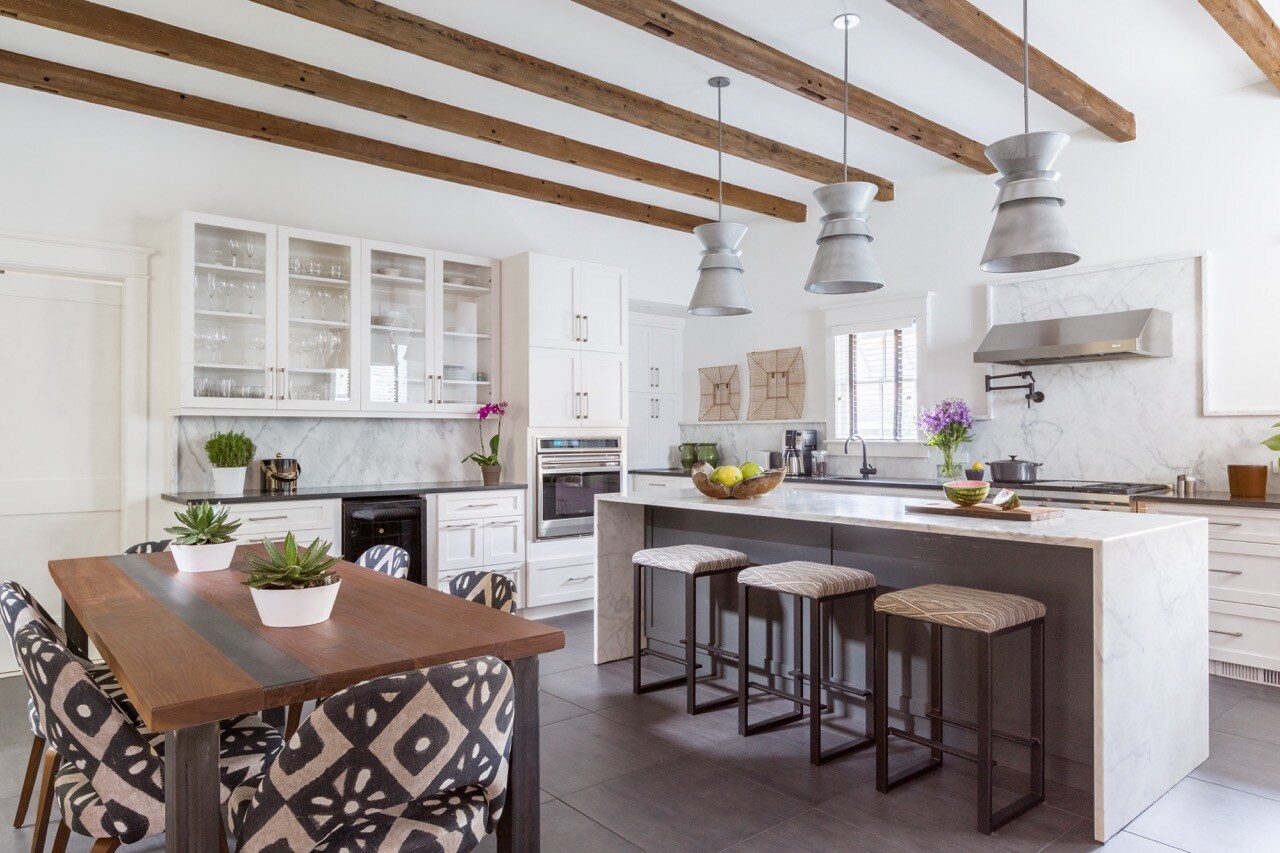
1201	177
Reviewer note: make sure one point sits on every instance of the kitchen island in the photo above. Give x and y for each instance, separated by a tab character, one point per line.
1126	625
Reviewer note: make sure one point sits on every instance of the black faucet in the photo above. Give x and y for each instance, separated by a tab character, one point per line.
866	470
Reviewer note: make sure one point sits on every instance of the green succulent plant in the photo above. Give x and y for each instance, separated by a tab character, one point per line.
203	524
230	449
290	568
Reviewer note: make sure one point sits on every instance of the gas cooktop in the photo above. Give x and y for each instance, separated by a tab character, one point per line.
1091	486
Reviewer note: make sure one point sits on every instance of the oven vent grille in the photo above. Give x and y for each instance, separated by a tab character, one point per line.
1256	674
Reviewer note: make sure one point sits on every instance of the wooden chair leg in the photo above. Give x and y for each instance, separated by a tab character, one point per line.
45	804
29	781
60	839
103	845
293	720
222	838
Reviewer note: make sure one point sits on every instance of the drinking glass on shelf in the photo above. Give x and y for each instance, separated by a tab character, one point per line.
248	253
234	245
315	268
227	286
295	265
336	271
219	339
211	290
258	340
342	305
250	289
323	296
304	293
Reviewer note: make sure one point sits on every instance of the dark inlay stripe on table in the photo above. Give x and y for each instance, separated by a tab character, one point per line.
264	662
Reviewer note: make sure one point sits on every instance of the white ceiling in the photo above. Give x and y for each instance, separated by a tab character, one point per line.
1145	54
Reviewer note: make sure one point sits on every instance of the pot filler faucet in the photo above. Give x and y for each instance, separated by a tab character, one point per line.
866	470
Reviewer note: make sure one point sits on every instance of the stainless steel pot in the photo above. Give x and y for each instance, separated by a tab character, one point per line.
1013	470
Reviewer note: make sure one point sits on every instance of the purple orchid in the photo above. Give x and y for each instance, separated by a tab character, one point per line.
483	414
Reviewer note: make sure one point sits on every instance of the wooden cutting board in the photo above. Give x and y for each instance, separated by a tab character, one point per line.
986	510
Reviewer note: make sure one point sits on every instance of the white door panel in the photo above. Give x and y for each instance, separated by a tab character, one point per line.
552	313
602	383
602	302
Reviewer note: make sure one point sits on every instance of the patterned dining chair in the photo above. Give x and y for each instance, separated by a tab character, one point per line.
149	547
110	784
487	588
389	559
18	607
415	757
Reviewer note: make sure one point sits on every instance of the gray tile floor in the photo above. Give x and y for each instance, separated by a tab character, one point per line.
628	773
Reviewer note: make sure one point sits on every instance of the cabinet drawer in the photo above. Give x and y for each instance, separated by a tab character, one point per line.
1229	523
1245	634
562	583
503	540
303	538
489	504
641	483
459	545
514	573
1245	572
258	518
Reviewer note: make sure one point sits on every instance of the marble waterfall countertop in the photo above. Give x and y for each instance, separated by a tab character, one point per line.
1079	528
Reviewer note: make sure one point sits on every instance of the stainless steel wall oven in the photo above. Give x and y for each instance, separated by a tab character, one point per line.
570	473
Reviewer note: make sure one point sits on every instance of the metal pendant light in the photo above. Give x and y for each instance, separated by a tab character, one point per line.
720	291
844	263
1030	231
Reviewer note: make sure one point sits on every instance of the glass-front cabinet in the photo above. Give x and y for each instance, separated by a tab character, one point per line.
277	318
316	355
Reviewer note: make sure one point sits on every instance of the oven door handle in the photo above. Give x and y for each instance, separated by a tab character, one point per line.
577	469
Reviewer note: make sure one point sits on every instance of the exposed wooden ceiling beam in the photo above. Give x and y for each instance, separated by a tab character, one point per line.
125	29
980	34
1251	28
411	33
17	69
714	40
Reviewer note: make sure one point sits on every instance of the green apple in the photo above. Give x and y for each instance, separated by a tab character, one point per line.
727	476
751	469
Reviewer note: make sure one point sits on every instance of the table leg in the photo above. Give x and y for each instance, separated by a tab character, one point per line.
191	790
519	830
77	639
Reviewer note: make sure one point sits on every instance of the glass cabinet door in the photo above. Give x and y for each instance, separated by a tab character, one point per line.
468	332
317	347
229	326
400	317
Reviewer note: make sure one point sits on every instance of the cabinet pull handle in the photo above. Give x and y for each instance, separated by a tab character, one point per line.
1228	571
1226	633
578	580
461	526
284	377
271	383
586	328
479	506
577	405
577	327
586	404
657	377
503	523
268	518
1226	524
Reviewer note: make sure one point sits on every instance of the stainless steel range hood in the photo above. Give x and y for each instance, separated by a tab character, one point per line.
1145	333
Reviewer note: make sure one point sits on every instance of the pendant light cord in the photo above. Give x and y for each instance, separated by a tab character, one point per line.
845	143
1026	73
719	154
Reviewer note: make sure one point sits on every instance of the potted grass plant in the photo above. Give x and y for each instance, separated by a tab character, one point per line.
292	587
202	538
229	455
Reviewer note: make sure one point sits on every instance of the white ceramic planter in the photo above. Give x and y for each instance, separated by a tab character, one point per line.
293	608
203	558
228	481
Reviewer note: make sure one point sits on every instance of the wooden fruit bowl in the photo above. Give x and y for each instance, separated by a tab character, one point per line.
761	484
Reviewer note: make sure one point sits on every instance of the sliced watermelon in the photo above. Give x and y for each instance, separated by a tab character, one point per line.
1007	499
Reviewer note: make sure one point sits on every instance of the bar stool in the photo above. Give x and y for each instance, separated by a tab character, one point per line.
822	585
692	561
987	615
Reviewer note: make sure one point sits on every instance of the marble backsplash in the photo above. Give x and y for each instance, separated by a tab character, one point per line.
735	438
337	451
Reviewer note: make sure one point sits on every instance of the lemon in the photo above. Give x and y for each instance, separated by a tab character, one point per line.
751	469
727	475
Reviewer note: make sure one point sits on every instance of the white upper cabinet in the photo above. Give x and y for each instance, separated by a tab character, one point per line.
576	305
601	300
554	399
654	356
283	320
602	382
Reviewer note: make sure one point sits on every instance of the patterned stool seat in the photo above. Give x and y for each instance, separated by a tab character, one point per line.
691	559
962	607
810	580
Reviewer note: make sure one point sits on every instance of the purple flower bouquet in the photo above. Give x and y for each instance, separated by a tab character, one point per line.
947	425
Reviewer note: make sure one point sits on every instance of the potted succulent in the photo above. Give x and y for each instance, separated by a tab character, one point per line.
202	538
229	454
490	467
292	587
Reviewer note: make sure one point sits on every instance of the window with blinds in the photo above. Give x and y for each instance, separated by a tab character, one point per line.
875	385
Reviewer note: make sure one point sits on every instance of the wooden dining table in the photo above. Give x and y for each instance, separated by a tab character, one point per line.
190	651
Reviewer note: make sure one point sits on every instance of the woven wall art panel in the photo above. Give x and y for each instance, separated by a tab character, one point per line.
777	384
720	393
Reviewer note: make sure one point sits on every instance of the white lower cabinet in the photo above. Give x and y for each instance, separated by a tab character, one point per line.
657	484
559	582
481	530
274	520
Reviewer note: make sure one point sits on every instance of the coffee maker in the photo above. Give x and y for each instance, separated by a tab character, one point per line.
797	457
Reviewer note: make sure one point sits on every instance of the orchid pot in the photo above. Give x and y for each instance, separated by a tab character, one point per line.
487	456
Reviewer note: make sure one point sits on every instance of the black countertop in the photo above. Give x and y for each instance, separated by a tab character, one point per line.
304	493
1271	501
887	482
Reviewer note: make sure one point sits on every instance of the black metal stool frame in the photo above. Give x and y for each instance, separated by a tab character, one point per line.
819	660
691	646
988	821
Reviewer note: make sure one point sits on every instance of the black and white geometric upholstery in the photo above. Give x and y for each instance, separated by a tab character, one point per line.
415	761
691	559
808	579
149	547
487	588
389	559
111	783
